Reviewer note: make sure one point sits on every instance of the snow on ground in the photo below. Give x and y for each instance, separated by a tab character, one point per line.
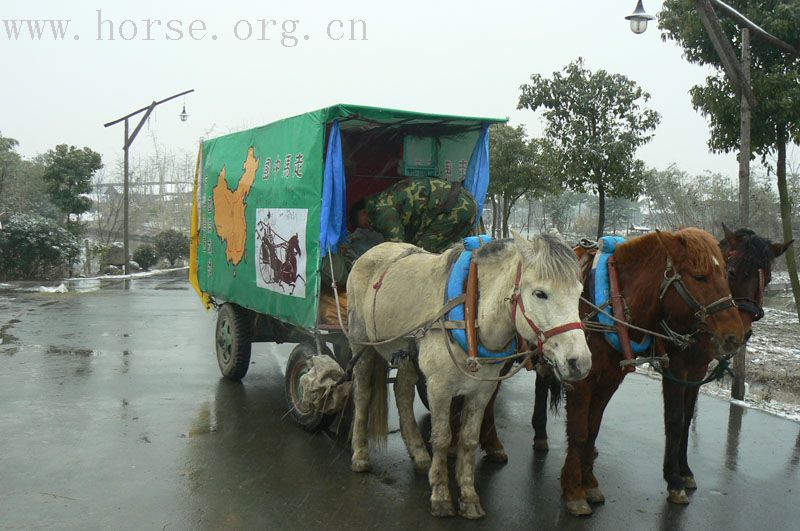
772	367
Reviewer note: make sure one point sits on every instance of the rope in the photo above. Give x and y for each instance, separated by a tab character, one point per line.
527	355
596	326
418	331
716	373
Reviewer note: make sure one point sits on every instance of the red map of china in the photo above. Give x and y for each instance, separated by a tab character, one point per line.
229	207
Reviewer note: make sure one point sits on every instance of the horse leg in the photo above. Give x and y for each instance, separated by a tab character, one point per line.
362	392
404	396
578	402
673	429
600	400
689	405
539	419
439	399
456	406
489	440
469	504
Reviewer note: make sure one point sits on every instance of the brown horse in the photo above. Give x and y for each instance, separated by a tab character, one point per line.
749	265
698	264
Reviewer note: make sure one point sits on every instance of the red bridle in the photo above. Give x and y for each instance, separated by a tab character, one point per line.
541	335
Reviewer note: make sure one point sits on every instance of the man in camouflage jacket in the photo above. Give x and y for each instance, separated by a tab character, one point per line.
427	212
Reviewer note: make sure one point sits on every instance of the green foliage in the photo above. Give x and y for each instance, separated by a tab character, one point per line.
68	174
171	244
517	168
595	123
34	247
775	74
145	255
21	185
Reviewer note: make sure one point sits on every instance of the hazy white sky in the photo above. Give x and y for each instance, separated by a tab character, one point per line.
450	57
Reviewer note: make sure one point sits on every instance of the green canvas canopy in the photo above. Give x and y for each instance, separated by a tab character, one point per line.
260	195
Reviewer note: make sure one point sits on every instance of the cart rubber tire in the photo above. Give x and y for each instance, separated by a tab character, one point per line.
233	341
296	367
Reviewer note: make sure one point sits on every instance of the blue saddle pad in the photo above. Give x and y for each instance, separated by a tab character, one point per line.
602	295
456	284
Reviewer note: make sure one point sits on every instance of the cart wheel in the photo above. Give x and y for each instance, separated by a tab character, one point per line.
296	367
233	341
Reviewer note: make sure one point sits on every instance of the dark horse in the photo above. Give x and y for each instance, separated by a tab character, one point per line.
695	259
275	270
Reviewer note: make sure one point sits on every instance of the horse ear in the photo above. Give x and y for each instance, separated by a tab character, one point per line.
729	235
780	248
674	244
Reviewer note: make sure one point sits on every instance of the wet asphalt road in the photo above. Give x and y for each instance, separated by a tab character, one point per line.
113	416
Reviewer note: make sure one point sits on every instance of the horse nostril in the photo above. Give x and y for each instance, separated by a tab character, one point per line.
731	341
572	363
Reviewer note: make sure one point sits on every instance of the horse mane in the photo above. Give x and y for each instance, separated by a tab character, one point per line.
547	256
696	252
756	251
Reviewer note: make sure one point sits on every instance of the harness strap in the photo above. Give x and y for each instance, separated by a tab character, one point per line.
617	305
541	336
470	310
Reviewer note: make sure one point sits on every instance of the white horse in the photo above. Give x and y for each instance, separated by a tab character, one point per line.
530	288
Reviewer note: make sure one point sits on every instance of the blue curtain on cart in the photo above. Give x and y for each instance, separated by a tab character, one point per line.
477	181
333	221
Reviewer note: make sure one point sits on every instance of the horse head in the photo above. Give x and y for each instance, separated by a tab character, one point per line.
544	300
694	294
749	268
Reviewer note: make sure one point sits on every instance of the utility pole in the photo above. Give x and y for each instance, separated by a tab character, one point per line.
129	138
745	152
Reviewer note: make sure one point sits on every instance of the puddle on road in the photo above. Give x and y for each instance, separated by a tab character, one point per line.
70	351
206	422
7	340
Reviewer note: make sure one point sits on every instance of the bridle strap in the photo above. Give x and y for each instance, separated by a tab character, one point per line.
673	279
541	335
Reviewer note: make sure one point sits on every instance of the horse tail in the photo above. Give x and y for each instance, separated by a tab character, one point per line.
378	427
555	387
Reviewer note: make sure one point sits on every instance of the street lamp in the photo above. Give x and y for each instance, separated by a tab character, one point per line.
129	138
639	19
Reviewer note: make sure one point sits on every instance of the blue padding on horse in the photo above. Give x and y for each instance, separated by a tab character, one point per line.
456	284
602	295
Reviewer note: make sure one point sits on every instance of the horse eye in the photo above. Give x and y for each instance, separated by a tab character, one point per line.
700	278
540	294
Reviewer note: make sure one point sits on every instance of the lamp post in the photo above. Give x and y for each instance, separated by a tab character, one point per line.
129	138
639	19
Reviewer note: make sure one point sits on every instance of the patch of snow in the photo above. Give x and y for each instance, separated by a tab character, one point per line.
140	274
61	288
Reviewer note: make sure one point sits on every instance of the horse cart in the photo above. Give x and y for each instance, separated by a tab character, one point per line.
270	203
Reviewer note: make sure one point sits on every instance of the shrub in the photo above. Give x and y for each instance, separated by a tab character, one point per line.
145	255
171	244
35	248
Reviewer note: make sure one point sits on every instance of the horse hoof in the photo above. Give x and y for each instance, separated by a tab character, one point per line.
442	509
540	445
360	466
595	495
498	455
677	496
689	483
471	510
578	508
